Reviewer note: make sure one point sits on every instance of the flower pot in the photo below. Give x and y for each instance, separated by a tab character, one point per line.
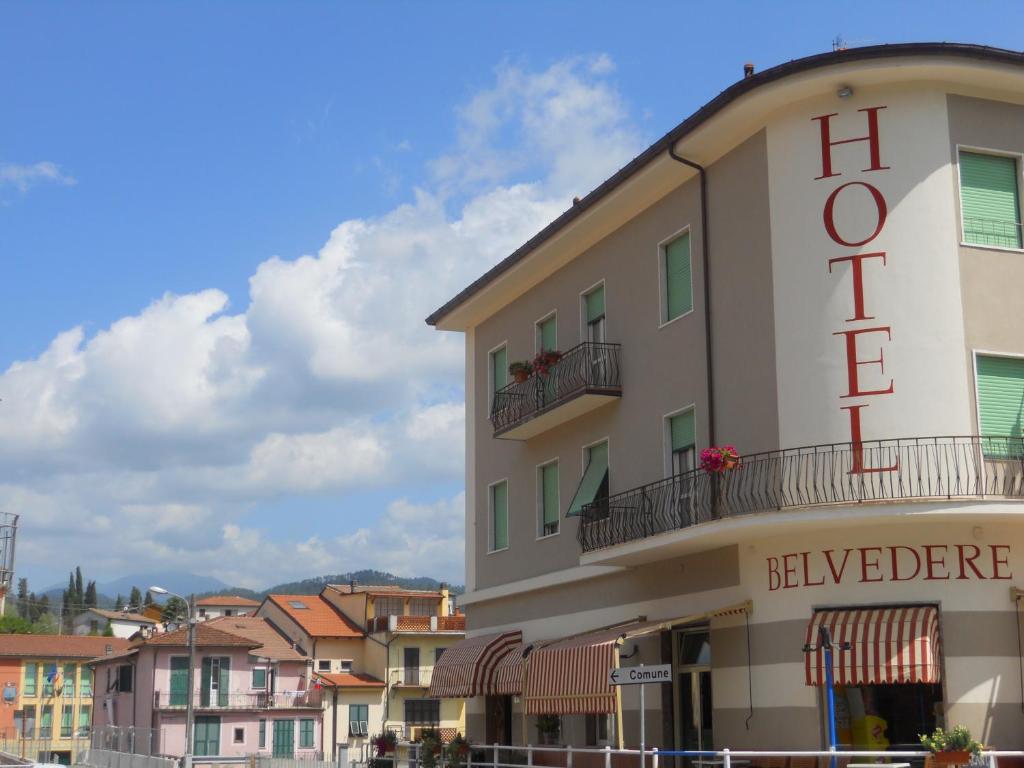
952	757
520	376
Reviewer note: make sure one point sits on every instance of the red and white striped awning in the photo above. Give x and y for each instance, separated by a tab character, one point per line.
467	668
508	673
886	645
570	677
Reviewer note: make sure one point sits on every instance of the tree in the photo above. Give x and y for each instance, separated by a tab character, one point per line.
15	625
90	595
45	625
108	630
175	609
135	599
23	598
79	592
147	600
119	603
40	608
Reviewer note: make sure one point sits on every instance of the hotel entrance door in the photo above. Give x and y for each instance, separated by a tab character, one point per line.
692	658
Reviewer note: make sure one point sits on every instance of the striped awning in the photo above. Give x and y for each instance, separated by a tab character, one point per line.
882	645
508	673
467	668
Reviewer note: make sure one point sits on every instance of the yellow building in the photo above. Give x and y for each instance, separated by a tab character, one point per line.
47	699
374	649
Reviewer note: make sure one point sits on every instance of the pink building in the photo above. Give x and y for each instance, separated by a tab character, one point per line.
250	691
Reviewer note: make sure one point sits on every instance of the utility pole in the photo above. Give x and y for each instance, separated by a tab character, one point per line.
189	714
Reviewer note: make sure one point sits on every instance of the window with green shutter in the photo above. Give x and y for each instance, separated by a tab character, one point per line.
593	307
306	733
179	681
206	738
1000	383
682	441
499	368
46	723
69	681
547	480
66	721
263	734
499	516
86	677
677	278
84	714
594	484
31	675
547	334
259	678
990	200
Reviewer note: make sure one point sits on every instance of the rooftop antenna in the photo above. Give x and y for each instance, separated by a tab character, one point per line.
838	44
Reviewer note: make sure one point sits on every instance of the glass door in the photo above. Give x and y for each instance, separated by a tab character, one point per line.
694	728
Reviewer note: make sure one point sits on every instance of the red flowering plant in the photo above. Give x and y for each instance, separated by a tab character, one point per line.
545	360
716	460
385	743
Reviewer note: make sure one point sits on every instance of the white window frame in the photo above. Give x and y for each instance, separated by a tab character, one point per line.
540	498
583	309
553	314
663	320
490	516
1018	158
666	432
319	665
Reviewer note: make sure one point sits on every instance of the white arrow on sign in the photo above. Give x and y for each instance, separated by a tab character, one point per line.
659	673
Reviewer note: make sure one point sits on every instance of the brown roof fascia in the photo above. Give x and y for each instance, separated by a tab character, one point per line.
705	113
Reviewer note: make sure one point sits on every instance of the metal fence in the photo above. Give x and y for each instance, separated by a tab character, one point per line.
43	750
101	758
311	699
126	739
931	468
587	367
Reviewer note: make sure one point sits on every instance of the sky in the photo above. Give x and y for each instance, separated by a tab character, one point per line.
222	225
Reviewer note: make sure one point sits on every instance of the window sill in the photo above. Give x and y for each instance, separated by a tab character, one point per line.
666	323
1000	248
544	536
496	551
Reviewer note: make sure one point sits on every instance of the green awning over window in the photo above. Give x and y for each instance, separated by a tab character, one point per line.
595	304
990	200
593	476
549	493
682	429
678	286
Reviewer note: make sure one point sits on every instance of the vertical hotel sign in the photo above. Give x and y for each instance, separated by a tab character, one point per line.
862	330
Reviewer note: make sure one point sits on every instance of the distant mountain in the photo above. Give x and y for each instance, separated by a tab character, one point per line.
376	578
176	581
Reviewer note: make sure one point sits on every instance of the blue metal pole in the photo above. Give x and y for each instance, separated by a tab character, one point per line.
830	697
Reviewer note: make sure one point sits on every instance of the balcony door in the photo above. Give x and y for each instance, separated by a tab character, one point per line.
694	728
206	741
179	681
284	738
547	341
411	664
215	681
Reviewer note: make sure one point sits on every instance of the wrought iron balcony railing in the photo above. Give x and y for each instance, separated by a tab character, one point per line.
237	700
588	368
913	469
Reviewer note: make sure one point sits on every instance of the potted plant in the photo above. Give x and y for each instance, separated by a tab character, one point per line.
520	370
430	748
953	747
457	751
548	728
385	743
716	460
545	360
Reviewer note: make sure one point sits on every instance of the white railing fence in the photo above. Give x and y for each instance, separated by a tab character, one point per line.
407	755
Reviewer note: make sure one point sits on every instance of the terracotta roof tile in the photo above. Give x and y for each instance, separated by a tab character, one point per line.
229	601
349	680
121	615
316	616
62	646
205	636
272	643
389	590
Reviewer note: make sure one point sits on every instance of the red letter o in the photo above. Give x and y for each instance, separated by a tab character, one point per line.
828	214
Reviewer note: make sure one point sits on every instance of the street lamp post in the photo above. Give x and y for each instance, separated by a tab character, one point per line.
186	761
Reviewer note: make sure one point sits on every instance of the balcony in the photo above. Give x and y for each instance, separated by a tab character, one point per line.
311	699
923	469
586	377
411	677
418	624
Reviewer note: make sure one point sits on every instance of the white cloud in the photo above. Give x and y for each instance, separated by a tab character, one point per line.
184	417
23	176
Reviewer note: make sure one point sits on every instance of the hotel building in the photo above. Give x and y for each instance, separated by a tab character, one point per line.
822	267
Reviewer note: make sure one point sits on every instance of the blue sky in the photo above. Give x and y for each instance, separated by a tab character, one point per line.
195	369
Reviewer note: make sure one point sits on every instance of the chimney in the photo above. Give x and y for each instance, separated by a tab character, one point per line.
445	606
748	70
352	585
575	201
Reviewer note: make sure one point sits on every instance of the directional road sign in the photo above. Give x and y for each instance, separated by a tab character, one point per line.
658	673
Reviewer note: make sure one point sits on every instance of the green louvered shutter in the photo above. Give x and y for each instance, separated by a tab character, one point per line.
682	429
595	304
990	200
593	477
499	515
549	498
204	682
547	334
224	686
499	368
678	287
1001	402
179	681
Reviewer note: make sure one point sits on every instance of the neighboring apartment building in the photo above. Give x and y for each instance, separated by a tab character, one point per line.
251	691
373	650
123	624
225	605
827	254
46	713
